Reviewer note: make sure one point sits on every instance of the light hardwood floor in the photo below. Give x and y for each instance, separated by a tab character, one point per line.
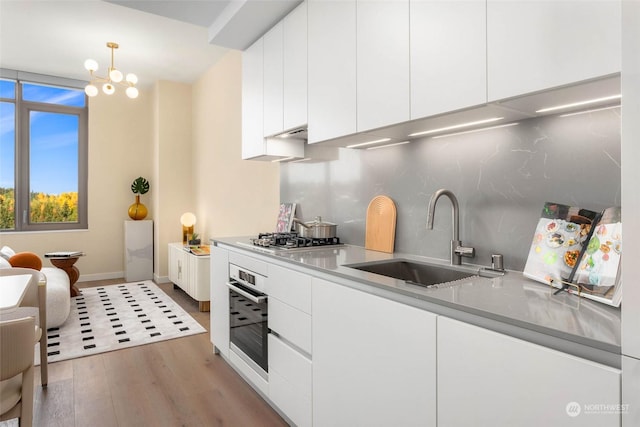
179	382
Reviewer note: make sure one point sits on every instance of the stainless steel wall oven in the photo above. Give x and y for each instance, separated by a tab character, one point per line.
248	320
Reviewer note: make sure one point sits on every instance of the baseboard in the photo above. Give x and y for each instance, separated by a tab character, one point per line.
101	276
117	275
161	279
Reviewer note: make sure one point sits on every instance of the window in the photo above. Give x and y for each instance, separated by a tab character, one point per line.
43	153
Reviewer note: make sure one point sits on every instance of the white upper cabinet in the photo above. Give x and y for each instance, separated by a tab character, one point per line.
273	81
295	68
537	45
382	63
332	69
448	56
262	100
253	143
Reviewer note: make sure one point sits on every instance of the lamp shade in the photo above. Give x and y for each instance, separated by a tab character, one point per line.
188	219
108	88
115	75
90	90
132	92
91	65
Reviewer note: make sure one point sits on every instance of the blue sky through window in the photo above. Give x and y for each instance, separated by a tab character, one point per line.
54	139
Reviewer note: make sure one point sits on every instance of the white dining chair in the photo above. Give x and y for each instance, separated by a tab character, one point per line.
33	304
16	370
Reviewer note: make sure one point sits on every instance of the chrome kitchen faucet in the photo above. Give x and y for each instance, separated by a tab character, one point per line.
457	250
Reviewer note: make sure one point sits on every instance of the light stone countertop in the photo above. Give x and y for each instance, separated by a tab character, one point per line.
509	304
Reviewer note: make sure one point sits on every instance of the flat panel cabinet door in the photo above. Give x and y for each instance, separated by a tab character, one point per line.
489	379
448	56
273	81
295	68
253	143
219	318
383	63
535	45
373	360
332	69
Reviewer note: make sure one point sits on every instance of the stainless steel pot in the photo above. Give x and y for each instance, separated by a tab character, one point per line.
317	229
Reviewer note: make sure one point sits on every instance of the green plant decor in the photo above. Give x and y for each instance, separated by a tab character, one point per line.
140	185
138	211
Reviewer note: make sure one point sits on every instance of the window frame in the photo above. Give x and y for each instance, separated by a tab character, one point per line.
22	145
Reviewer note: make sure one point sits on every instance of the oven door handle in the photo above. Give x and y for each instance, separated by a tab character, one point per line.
247	295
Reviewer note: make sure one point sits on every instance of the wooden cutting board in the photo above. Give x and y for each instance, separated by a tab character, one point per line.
381	225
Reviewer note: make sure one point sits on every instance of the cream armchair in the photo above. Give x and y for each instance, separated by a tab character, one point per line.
33	304
16	370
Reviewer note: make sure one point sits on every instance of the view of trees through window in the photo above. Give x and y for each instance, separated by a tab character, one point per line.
41	178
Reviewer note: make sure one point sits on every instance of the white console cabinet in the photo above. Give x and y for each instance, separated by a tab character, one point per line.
191	273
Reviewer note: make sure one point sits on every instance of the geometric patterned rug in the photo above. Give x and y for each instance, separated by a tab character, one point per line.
114	317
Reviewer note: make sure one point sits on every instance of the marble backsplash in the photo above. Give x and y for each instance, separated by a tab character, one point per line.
501	177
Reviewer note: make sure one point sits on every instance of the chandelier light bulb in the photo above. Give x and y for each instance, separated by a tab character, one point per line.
115	75
90	90
113	78
132	92
91	65
132	78
108	88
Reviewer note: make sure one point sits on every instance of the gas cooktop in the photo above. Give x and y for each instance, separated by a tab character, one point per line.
285	242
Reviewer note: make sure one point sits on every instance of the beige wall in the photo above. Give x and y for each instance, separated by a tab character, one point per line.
233	196
119	151
172	167
186	140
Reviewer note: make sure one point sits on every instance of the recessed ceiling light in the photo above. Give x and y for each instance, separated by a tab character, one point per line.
580	103
474	130
388	145
458	126
364	144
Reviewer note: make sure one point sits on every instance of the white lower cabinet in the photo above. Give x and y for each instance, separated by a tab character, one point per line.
290	374
374	360
220	299
489	379
290	381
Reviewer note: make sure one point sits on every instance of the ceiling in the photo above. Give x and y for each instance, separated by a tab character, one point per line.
159	40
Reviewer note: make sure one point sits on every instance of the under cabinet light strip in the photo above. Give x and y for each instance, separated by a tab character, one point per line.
473	130
578	104
284	159
306	159
458	126
363	144
388	145
589	111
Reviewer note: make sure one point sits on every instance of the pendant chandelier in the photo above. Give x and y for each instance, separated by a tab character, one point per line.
114	76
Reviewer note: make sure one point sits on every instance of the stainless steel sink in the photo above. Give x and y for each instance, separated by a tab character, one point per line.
413	272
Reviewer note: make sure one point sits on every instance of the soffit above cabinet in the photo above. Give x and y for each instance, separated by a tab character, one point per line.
234	24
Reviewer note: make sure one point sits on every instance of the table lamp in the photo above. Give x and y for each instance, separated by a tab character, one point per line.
187	220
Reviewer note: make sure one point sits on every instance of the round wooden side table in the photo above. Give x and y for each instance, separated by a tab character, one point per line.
66	263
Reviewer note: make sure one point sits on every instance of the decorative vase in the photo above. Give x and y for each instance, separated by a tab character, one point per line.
137	211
